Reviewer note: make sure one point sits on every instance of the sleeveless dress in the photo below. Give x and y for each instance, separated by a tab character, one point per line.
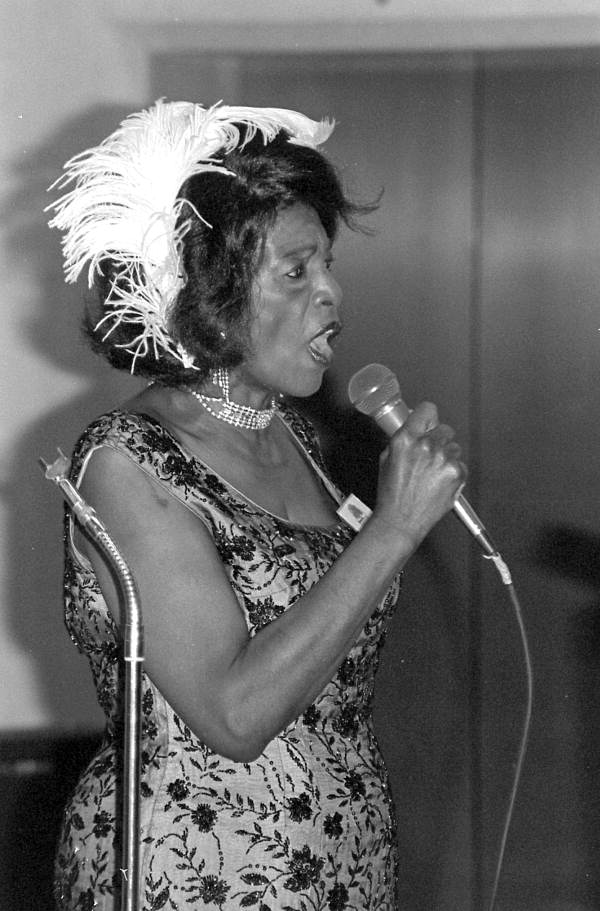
309	824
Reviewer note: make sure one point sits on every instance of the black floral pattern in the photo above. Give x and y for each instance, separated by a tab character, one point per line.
308	826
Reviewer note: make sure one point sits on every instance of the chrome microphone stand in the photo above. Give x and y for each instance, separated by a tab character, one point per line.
133	656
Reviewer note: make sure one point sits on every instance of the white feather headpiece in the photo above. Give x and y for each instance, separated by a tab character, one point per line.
125	204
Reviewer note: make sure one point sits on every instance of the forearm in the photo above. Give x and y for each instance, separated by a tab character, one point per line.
282	669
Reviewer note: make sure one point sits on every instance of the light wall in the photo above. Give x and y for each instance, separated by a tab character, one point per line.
70	70
60	60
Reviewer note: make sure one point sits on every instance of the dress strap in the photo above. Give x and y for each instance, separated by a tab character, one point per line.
306	450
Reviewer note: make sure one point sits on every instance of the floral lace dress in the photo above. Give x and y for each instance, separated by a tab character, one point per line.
309	824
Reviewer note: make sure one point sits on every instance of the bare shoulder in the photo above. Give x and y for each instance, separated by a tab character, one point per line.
148	522
112	476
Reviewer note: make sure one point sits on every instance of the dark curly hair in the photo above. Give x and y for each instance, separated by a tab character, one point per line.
222	250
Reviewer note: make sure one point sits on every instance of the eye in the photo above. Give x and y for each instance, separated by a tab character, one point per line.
329	262
297	272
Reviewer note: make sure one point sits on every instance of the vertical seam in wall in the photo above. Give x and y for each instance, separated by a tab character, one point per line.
475	415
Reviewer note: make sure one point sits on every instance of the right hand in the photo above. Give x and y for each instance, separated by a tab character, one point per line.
420	474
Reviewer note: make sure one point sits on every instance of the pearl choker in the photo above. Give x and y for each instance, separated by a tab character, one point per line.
225	410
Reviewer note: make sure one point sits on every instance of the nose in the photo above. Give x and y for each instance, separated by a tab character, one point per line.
328	293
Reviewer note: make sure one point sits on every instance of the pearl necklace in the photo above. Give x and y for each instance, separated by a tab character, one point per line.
237	415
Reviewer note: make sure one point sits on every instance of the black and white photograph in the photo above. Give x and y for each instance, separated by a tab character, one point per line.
300	455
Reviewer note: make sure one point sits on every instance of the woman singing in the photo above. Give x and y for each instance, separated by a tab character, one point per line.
208	234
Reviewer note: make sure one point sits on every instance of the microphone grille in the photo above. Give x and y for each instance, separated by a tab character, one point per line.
371	387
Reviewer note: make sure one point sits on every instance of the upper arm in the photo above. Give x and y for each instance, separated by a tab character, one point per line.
193	624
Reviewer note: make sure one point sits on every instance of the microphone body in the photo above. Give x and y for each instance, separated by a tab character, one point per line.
374	391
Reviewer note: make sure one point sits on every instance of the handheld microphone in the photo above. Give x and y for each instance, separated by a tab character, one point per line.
374	391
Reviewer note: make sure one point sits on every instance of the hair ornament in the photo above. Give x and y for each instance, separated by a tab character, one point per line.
124	204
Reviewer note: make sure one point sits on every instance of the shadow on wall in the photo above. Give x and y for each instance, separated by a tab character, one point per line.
34	505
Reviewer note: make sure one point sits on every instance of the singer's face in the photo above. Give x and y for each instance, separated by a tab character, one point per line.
295	306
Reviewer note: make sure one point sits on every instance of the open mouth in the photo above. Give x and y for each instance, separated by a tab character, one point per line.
321	345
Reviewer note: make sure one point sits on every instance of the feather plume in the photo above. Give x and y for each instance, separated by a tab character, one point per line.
124	204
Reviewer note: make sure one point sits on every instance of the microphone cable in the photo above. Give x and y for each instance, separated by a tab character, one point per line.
522	749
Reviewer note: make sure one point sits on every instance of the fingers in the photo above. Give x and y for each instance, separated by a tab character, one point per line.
435	441
423	423
421	473
422	419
